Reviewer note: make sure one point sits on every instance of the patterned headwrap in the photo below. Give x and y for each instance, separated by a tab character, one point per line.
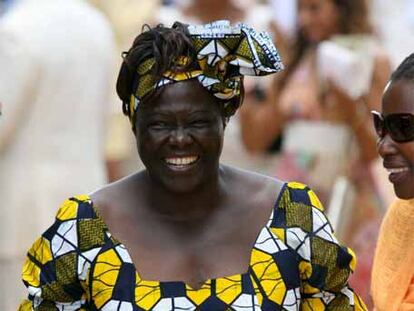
225	54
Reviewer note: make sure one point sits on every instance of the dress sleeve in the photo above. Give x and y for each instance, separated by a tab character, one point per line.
324	264
54	264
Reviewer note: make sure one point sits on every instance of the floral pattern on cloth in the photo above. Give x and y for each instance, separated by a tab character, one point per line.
225	54
296	264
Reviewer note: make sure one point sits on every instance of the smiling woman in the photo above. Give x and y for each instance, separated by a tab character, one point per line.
395	250
396	131
188	233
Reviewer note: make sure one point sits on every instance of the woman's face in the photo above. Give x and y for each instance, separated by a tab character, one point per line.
180	136
399	98
318	19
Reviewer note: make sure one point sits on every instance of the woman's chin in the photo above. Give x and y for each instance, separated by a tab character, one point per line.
404	193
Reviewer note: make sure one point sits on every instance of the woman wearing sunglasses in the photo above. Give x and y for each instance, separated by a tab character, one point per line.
392	276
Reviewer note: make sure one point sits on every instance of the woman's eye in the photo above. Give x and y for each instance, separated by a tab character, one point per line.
199	123
158	125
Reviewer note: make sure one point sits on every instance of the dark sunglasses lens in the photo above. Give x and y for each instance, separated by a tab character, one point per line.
401	127
378	124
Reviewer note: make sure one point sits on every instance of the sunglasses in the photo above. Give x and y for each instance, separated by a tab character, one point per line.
400	126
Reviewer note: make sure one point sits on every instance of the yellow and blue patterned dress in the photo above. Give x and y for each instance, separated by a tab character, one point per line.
296	264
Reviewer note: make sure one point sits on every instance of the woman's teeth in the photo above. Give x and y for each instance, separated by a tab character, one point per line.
398	170
181	161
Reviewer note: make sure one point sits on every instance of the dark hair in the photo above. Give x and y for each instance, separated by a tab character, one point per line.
353	19
163	44
405	71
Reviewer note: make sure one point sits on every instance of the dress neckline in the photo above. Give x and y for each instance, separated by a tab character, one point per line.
207	283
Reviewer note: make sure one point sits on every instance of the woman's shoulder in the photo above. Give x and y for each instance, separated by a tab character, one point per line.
83	207
287	192
251	182
75	208
400	214
252	190
109	195
299	213
80	219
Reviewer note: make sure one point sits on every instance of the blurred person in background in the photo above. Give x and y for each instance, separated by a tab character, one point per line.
56	58
284	16
393	272
203	11
327	132
394	21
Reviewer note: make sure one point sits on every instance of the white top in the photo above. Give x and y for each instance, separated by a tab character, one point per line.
56	58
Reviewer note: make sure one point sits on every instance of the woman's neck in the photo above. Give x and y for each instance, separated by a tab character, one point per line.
185	207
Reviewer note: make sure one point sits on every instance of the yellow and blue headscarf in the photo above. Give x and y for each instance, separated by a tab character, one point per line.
225	54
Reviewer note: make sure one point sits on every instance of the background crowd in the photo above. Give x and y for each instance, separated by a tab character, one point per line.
62	131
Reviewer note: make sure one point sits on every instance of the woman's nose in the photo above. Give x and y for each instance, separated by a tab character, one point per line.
386	146
180	137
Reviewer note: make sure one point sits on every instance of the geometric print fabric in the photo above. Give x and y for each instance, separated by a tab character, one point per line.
296	264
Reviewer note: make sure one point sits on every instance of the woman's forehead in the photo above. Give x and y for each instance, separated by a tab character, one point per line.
398	97
187	95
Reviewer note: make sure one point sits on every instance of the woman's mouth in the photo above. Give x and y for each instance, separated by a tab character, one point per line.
398	174
181	163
